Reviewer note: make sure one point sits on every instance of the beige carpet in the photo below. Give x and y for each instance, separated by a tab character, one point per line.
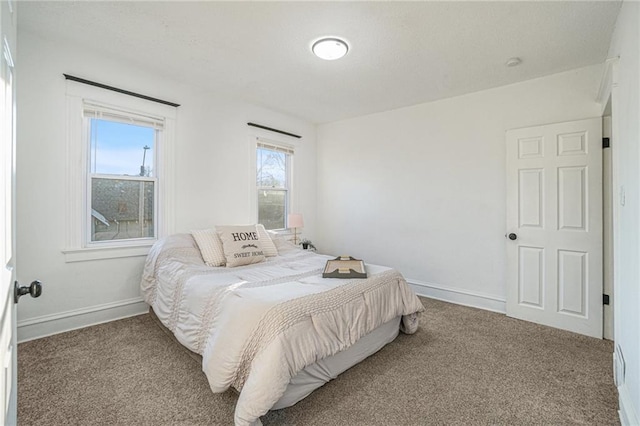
465	366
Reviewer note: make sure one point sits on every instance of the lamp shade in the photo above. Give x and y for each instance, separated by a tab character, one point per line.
294	220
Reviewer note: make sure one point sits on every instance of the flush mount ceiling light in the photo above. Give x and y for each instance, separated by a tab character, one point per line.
330	48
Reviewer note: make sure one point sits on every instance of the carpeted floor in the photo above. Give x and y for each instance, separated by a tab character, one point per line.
464	367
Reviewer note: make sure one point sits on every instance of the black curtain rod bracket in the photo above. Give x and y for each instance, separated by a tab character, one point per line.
273	130
115	89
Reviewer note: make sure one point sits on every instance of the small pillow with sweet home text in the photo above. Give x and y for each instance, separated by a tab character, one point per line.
241	245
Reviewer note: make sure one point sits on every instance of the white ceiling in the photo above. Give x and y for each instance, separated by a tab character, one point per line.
401	53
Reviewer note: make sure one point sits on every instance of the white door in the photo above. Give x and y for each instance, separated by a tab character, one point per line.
554	225
8	364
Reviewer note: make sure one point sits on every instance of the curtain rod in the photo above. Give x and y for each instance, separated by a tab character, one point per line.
115	89
273	130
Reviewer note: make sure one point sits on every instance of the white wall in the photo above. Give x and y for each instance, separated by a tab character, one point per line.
211	187
423	188
626	166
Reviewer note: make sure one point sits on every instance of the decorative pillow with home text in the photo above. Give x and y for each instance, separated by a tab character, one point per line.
241	245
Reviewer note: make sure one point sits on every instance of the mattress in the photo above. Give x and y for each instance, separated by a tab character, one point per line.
274	331
324	370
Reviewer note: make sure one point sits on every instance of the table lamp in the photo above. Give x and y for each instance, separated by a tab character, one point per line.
294	220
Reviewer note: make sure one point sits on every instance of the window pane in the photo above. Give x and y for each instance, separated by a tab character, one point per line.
121	209
271	208
121	149
272	168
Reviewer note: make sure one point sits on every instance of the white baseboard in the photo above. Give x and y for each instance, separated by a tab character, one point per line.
628	413
459	296
47	325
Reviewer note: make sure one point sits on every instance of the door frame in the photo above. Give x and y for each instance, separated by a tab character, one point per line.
608	197
606	94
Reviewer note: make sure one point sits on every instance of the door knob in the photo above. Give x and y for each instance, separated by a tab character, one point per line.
35	290
512	236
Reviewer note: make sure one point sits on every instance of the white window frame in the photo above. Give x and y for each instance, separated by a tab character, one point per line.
258	141
78	246
106	113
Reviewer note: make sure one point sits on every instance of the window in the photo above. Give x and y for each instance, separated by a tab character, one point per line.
120	179
273	176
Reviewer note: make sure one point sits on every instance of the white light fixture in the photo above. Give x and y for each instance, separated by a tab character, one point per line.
330	48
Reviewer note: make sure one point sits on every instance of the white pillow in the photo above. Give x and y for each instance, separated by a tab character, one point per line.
282	245
268	246
241	245
210	246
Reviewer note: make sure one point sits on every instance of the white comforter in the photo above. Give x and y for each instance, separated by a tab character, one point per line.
257	326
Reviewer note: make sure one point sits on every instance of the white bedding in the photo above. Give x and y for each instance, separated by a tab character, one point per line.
257	326
322	371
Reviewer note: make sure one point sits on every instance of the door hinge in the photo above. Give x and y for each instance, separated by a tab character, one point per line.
605	299
606	143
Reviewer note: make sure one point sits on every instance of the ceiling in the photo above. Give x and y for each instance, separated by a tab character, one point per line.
401	53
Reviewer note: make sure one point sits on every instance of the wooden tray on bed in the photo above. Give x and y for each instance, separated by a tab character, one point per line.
344	267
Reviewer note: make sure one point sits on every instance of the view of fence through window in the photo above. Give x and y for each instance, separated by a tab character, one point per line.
272	187
122	180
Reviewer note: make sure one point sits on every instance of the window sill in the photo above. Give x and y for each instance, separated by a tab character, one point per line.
99	253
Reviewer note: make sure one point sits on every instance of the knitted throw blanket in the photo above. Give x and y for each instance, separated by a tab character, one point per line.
281	317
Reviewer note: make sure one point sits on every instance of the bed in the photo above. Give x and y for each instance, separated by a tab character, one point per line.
276	330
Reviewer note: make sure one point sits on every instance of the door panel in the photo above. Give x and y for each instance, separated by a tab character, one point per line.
572	282
554	206
531	277
7	364
572	198
531	198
